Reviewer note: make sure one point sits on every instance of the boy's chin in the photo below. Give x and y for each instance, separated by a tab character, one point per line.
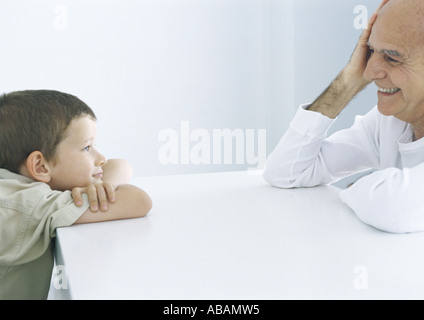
96	181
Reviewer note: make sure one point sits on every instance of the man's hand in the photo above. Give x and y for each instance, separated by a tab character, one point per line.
350	81
354	71
98	194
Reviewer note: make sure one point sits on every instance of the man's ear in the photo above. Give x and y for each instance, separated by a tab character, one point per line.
38	167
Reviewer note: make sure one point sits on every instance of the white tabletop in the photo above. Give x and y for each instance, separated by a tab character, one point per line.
232	236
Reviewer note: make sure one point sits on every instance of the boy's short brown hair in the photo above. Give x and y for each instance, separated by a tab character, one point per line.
35	120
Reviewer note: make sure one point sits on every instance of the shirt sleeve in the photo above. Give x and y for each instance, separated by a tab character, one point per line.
53	209
390	199
57	209
305	157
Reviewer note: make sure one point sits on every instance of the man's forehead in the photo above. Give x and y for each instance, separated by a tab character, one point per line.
399	24
385	40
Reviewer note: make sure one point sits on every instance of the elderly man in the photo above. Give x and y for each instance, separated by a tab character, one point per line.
389	138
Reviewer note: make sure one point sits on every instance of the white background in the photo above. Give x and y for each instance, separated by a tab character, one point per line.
144	66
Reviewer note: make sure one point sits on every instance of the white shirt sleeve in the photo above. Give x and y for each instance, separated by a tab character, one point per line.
390	199
305	157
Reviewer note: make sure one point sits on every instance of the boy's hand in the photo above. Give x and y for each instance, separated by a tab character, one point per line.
98	194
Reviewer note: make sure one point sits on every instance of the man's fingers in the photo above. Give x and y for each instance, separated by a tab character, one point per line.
374	16
382	5
371	21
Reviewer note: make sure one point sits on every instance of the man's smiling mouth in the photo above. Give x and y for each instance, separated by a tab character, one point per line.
390	91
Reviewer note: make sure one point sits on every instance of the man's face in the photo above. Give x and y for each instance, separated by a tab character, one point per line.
77	163
396	66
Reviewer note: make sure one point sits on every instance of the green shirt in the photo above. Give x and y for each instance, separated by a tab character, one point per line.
30	212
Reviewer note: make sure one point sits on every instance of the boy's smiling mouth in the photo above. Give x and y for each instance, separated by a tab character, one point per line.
98	175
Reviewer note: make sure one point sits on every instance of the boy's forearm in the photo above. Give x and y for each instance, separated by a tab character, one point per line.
131	202
117	172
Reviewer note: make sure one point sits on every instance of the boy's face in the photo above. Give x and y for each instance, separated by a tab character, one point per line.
78	163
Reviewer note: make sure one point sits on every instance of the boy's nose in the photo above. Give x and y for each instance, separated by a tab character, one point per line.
101	160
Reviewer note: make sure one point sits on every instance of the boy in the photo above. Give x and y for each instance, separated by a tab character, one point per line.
51	176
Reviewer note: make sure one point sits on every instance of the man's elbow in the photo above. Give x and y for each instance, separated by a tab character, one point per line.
276	178
391	219
270	178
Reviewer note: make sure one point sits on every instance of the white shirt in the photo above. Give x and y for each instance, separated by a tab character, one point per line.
390	199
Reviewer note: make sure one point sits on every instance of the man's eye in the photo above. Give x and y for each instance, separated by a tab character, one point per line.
392	60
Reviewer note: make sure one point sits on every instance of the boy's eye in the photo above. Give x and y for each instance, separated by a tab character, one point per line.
87	148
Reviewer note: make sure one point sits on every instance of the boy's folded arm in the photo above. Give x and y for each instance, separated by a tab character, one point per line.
117	172
131	202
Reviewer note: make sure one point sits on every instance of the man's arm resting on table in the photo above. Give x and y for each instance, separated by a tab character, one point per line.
390	199
298	159
131	202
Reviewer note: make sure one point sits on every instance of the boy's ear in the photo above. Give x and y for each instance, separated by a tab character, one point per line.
38	167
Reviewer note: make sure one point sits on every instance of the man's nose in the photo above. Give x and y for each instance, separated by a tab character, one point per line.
374	69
